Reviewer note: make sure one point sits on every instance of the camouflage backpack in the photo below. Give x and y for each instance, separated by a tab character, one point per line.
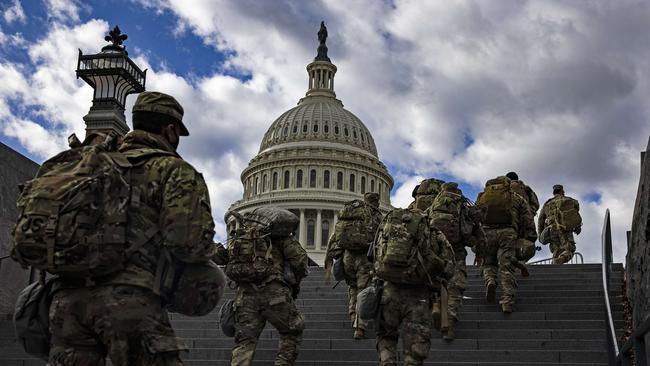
427	192
564	213
398	257
356	226
497	197
73	215
250	245
448	212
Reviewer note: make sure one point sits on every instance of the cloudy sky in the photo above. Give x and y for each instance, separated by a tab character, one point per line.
558	91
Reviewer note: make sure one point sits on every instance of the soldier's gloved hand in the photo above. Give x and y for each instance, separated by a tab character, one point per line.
577	230
295	290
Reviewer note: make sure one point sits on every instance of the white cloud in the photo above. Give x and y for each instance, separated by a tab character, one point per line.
14	13
34	137
63	10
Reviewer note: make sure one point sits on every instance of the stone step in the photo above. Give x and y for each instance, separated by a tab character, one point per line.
503	323
437	343
521	356
429	362
504	334
342	315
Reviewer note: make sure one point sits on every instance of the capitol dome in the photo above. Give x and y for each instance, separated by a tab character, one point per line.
316	120
314	158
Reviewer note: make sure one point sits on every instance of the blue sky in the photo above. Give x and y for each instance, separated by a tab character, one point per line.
555	90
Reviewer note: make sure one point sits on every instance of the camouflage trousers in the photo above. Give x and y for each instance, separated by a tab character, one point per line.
357	276
126	322
407	309
563	246
499	262
457	284
254	306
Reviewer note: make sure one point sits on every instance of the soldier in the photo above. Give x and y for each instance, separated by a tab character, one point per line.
410	283
265	292
123	315
558	220
519	187
354	232
450	214
508	218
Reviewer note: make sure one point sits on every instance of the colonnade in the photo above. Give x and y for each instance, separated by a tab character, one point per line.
303	232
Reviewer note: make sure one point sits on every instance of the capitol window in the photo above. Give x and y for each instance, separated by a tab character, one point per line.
264	183
336	129
286	131
325	233
352	182
312	178
295	128
326	179
326	128
346	132
299	179
311	230
354	133
363	185
339	180
315	127
304	127
286	179
275	181
372	185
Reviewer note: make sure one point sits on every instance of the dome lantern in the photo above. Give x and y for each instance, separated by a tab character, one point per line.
321	71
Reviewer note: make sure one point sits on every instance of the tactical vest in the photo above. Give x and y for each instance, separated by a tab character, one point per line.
356	226
497	197
74	217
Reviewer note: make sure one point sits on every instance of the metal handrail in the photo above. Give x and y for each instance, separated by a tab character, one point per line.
606	239
577	257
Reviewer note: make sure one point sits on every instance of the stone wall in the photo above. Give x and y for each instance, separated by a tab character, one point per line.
14	170
638	255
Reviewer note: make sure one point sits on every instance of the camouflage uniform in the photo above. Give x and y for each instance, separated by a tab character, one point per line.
459	223
408	307
123	315
271	301
563	245
356	265
498	256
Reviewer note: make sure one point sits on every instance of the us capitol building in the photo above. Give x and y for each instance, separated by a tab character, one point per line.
314	158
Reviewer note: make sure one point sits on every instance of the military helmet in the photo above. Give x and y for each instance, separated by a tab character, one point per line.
162	103
558	188
199	289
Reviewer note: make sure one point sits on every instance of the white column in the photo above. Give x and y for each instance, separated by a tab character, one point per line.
319	229
302	235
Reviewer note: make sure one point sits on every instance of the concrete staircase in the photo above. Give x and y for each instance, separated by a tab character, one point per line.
558	320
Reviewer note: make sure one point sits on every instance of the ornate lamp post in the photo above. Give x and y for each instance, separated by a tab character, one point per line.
113	76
